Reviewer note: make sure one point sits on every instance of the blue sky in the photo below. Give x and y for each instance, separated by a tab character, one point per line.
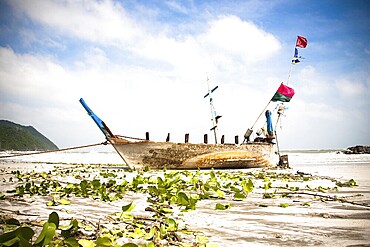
142	66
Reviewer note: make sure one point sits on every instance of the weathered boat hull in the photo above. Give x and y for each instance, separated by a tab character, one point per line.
159	155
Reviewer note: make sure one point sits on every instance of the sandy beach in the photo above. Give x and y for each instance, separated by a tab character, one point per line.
300	212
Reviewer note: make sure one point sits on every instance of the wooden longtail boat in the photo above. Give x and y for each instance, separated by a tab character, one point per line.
139	153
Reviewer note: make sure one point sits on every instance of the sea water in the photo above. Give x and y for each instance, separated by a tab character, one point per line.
299	159
331	163
65	157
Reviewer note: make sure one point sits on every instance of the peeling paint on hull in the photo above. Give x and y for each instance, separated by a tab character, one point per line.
159	155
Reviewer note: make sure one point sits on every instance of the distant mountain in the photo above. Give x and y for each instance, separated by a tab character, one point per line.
23	138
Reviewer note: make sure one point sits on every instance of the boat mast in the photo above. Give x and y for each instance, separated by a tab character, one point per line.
213	111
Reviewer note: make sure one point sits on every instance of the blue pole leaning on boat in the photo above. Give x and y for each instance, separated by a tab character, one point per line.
106	131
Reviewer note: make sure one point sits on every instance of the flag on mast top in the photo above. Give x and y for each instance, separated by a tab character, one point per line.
301	42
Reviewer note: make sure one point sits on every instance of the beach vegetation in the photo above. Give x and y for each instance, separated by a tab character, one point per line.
220	206
169	194
349	183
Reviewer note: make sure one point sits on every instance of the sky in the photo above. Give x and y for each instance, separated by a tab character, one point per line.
142	66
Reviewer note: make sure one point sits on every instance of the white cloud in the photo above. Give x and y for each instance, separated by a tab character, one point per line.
310	83
177	6
227	40
32	78
351	88
103	22
240	39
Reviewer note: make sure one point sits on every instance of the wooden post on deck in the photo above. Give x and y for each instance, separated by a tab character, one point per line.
236	139
168	137
205	138
186	137
147	136
222	139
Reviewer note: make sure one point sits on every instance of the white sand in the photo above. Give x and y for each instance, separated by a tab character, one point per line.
246	223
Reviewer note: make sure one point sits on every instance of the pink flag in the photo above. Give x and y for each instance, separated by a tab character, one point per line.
283	94
301	42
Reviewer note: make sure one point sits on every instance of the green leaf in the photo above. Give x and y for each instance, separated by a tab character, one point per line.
352	182
71	242
130	245
267	186
24	243
70	230
192	203
138	233
201	240
239	196
54	218
21	235
128	208
69	186
25	232
235	189
96	183
182	199
166	210
64	201
268	195
13	222
321	189
12	242
103	241
151	233
284	205
151	244
220	194
220	206
5	237
247	186
46	235
163	230
88	228
172	225
86	243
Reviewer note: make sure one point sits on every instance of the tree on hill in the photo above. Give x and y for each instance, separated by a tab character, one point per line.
23	138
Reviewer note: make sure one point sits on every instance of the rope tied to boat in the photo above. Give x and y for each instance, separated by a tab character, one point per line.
54	151
129	137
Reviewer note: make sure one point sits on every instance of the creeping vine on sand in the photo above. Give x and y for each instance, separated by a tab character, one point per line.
166	191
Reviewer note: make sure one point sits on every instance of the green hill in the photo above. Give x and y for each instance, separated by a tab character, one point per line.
23	138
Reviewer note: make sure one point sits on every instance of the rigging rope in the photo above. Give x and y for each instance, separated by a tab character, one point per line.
133	138
54	151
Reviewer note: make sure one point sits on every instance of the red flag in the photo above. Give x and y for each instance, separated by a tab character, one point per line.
301	42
